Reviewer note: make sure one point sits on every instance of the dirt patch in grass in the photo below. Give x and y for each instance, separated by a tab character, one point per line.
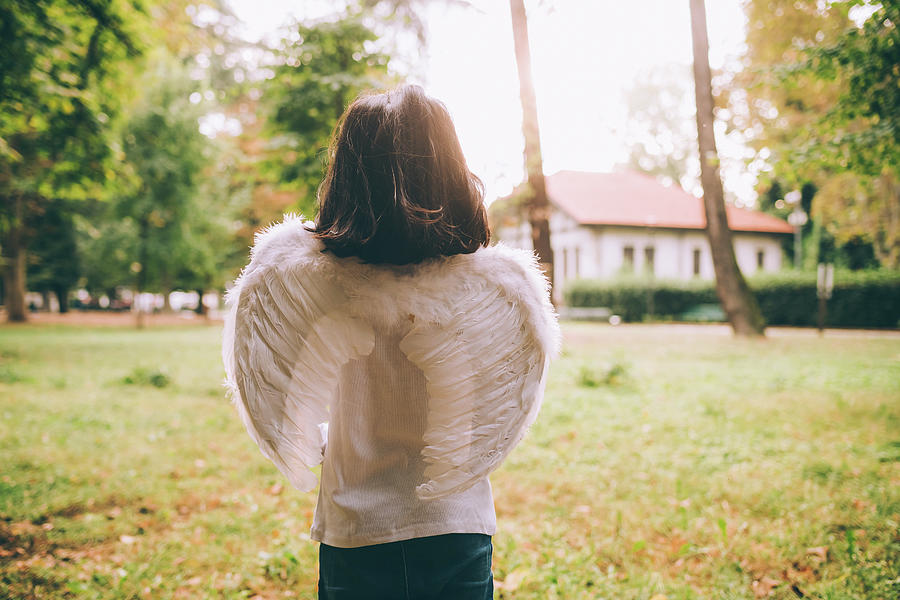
28	542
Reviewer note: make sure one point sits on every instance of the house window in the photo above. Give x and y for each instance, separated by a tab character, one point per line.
760	259
649	256
565	265
696	262
628	258
577	260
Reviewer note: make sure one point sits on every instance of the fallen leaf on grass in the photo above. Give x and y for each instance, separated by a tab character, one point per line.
820	552
659	597
860	504
275	490
763	587
127	539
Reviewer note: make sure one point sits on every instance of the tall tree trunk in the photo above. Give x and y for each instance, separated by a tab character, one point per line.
62	296
537	203
201	308
738	302
14	257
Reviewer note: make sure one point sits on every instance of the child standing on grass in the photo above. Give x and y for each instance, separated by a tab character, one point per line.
388	342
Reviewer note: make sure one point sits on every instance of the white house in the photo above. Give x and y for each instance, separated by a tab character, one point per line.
604	224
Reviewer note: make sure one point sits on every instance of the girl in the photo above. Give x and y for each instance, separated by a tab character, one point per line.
388	342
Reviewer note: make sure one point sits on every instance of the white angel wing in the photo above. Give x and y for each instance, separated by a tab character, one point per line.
485	370
286	338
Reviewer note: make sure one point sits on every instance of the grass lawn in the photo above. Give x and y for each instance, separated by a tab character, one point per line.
667	462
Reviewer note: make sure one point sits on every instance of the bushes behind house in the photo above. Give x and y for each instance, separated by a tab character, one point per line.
860	298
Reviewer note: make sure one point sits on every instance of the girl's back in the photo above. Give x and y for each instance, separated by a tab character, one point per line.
388	342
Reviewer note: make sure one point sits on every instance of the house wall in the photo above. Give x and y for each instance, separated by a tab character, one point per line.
581	251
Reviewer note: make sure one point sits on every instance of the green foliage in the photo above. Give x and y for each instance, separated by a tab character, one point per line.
152	377
609	374
165	160
53	263
106	246
862	131
781	114
323	68
860	299
821	97
60	65
631	297
660	131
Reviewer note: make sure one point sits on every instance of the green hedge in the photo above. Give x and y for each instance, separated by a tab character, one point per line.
860	298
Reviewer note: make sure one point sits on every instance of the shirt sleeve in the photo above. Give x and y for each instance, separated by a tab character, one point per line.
286	338
485	368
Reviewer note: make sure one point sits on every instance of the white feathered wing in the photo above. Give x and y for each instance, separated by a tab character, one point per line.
485	366
483	337
286	338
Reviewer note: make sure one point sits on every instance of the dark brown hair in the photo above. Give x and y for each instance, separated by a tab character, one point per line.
397	189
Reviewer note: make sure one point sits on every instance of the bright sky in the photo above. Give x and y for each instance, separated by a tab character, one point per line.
585	55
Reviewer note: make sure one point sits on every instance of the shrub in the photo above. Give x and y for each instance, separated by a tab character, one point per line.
141	376
860	298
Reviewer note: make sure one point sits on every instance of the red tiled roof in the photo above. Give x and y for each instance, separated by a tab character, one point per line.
633	199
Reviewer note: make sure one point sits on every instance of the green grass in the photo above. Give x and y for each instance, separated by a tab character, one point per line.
666	462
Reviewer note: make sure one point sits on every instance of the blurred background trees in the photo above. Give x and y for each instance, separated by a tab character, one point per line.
143	142
819	91
62	74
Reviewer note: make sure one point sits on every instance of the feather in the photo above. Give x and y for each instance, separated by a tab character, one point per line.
483	332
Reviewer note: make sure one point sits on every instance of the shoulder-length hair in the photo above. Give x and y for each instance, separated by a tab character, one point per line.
397	189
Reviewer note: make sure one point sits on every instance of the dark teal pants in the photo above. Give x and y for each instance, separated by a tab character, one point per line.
455	566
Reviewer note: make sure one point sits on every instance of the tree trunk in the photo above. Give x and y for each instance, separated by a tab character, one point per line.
62	296
537	202
14	259
201	308
167	291
737	301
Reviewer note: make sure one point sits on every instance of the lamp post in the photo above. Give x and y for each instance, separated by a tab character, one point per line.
797	219
824	289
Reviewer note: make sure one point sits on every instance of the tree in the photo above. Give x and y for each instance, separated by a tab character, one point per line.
861	131
164	157
858	139
820	94
59	72
858	209
661	139
536	200
53	264
324	66
739	304
778	113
